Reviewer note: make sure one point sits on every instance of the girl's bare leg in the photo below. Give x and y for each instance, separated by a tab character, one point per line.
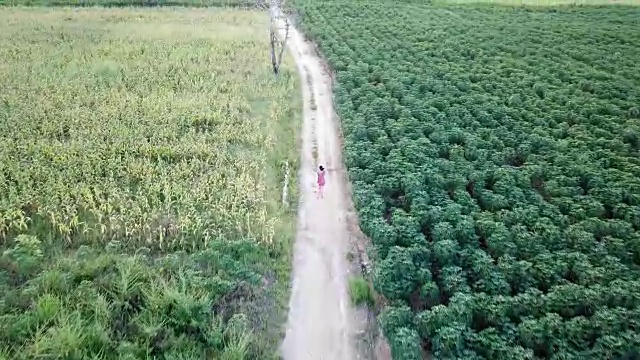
322	191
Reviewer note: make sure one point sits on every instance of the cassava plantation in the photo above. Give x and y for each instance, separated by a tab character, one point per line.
141	183
494	157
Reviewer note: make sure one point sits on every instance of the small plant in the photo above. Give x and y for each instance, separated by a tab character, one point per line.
25	255
360	292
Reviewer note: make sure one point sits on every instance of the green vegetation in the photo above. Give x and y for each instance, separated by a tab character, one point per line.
494	160
141	3
544	2
139	185
360	292
535	2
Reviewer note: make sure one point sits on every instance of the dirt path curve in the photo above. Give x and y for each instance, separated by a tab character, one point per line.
320	323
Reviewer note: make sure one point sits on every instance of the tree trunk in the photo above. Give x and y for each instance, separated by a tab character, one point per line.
274	16
274	60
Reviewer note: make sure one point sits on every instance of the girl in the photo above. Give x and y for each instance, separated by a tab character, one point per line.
321	182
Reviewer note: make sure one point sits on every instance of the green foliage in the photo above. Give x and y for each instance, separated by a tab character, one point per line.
494	159
395	276
360	292
139	219
394	317
405	345
25	257
126	3
133	302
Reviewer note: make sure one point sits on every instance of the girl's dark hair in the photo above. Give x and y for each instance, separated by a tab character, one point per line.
321	168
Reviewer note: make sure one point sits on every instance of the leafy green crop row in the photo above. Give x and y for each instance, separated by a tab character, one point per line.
494	155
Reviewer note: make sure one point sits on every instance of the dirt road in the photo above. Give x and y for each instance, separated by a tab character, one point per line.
321	323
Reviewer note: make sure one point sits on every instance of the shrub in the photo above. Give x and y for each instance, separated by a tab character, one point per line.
360	292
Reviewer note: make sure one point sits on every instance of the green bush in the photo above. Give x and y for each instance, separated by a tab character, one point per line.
405	345
360	292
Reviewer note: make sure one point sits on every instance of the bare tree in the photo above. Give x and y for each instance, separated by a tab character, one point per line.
278	43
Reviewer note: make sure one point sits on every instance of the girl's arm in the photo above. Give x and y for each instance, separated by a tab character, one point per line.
325	169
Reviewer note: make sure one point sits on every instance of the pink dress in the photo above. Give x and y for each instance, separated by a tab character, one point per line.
321	178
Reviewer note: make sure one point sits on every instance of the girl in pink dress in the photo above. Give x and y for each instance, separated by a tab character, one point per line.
321	182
